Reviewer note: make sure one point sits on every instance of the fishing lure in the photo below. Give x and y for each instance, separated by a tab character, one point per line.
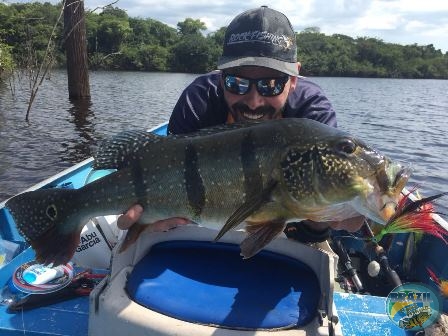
415	216
442	284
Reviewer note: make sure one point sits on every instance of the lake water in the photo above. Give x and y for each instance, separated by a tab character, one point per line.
406	119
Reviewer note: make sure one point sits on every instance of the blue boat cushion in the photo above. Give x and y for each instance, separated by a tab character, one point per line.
209	283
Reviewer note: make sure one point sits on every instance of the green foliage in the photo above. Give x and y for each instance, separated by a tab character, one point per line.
191	27
340	55
112	30
27	28
192	54
151	32
116	41
6	61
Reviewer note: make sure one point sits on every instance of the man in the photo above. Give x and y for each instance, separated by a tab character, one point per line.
258	79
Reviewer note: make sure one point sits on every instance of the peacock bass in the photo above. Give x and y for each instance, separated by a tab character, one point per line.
261	174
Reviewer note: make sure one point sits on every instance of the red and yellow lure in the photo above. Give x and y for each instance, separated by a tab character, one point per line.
441	283
414	216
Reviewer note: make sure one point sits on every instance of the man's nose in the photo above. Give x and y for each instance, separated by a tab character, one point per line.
253	99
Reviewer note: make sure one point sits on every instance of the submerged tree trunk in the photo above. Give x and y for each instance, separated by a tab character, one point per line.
76	49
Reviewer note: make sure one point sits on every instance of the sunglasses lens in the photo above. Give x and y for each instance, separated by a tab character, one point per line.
267	87
271	87
236	85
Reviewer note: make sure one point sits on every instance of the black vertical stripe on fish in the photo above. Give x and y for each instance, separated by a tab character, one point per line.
51	220
193	182
253	182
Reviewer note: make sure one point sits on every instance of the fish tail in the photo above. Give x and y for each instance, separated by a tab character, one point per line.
49	221
55	248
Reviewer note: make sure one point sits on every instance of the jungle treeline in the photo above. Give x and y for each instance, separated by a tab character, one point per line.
117	41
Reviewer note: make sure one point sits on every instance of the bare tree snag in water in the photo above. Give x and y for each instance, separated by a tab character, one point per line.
76	49
38	75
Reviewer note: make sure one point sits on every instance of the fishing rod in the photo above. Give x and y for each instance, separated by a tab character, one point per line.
383	260
350	271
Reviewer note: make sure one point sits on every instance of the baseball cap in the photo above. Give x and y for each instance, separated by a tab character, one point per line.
261	37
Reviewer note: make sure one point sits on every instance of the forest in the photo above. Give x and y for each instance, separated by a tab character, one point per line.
116	41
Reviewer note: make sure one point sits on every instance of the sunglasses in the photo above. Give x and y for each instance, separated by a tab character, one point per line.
266	87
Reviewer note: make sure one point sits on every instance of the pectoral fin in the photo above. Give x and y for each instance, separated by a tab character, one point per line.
259	235
132	235
247	209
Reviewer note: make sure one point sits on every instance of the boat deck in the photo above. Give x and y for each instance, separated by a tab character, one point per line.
359	315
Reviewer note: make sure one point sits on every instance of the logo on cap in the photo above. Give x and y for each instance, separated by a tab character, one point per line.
282	41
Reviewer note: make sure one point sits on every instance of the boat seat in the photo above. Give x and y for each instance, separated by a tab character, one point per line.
209	283
182	283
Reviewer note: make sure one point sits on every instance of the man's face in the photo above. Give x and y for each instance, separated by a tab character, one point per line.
252	105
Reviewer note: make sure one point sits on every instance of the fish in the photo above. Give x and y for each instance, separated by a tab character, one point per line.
414	321
259	175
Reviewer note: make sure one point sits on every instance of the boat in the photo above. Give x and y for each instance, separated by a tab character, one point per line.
181	283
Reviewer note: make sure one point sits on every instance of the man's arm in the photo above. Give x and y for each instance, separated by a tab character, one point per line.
191	113
309	101
200	105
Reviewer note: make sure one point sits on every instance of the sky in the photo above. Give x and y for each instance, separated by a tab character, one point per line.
421	22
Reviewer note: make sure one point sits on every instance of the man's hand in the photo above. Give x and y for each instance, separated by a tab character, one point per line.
130	217
351	224
134	213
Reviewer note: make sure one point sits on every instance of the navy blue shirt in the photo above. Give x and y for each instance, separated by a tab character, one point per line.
202	104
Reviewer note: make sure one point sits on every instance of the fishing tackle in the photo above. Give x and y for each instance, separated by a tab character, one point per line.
414	216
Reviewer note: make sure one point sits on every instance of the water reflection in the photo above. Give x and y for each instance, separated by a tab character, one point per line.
81	115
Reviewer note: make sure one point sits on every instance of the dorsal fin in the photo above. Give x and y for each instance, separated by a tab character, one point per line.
117	152
211	130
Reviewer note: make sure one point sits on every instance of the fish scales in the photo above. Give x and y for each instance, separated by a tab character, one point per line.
263	173
213	179
204	180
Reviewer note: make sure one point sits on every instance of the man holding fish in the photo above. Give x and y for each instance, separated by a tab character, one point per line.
258	79
262	175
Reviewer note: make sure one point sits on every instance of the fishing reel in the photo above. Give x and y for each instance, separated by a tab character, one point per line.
369	267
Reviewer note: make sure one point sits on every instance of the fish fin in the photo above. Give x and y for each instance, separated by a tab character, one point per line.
246	209
215	129
117	152
132	235
259	235
55	248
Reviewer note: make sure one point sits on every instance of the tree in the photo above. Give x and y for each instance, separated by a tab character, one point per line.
191	27
218	36
76	47
6	62
216	42
192	54
120	42
113	30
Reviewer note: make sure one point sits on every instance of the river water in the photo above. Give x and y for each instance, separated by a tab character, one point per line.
406	119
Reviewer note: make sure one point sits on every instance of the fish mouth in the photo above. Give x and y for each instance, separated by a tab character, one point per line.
398	176
386	186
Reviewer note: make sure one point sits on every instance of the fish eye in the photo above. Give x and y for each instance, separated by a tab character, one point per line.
52	212
346	146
